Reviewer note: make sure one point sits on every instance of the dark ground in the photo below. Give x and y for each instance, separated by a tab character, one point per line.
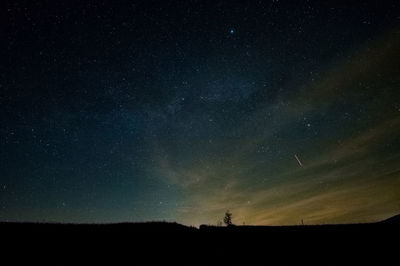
155	243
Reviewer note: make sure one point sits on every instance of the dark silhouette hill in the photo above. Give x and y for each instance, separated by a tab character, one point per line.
71	228
158	243
395	219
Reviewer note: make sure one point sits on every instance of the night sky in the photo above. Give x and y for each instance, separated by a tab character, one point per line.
279	111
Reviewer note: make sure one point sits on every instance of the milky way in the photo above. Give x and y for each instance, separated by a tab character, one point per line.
155	111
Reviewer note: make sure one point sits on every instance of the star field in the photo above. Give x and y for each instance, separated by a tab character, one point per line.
275	110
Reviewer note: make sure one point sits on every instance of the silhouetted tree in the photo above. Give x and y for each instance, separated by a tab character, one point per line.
228	218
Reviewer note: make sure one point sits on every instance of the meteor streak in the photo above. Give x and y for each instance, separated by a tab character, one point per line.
298	160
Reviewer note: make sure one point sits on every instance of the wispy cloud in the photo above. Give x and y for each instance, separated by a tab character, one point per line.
351	179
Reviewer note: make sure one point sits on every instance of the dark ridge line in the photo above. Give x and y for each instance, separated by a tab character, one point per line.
391	220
